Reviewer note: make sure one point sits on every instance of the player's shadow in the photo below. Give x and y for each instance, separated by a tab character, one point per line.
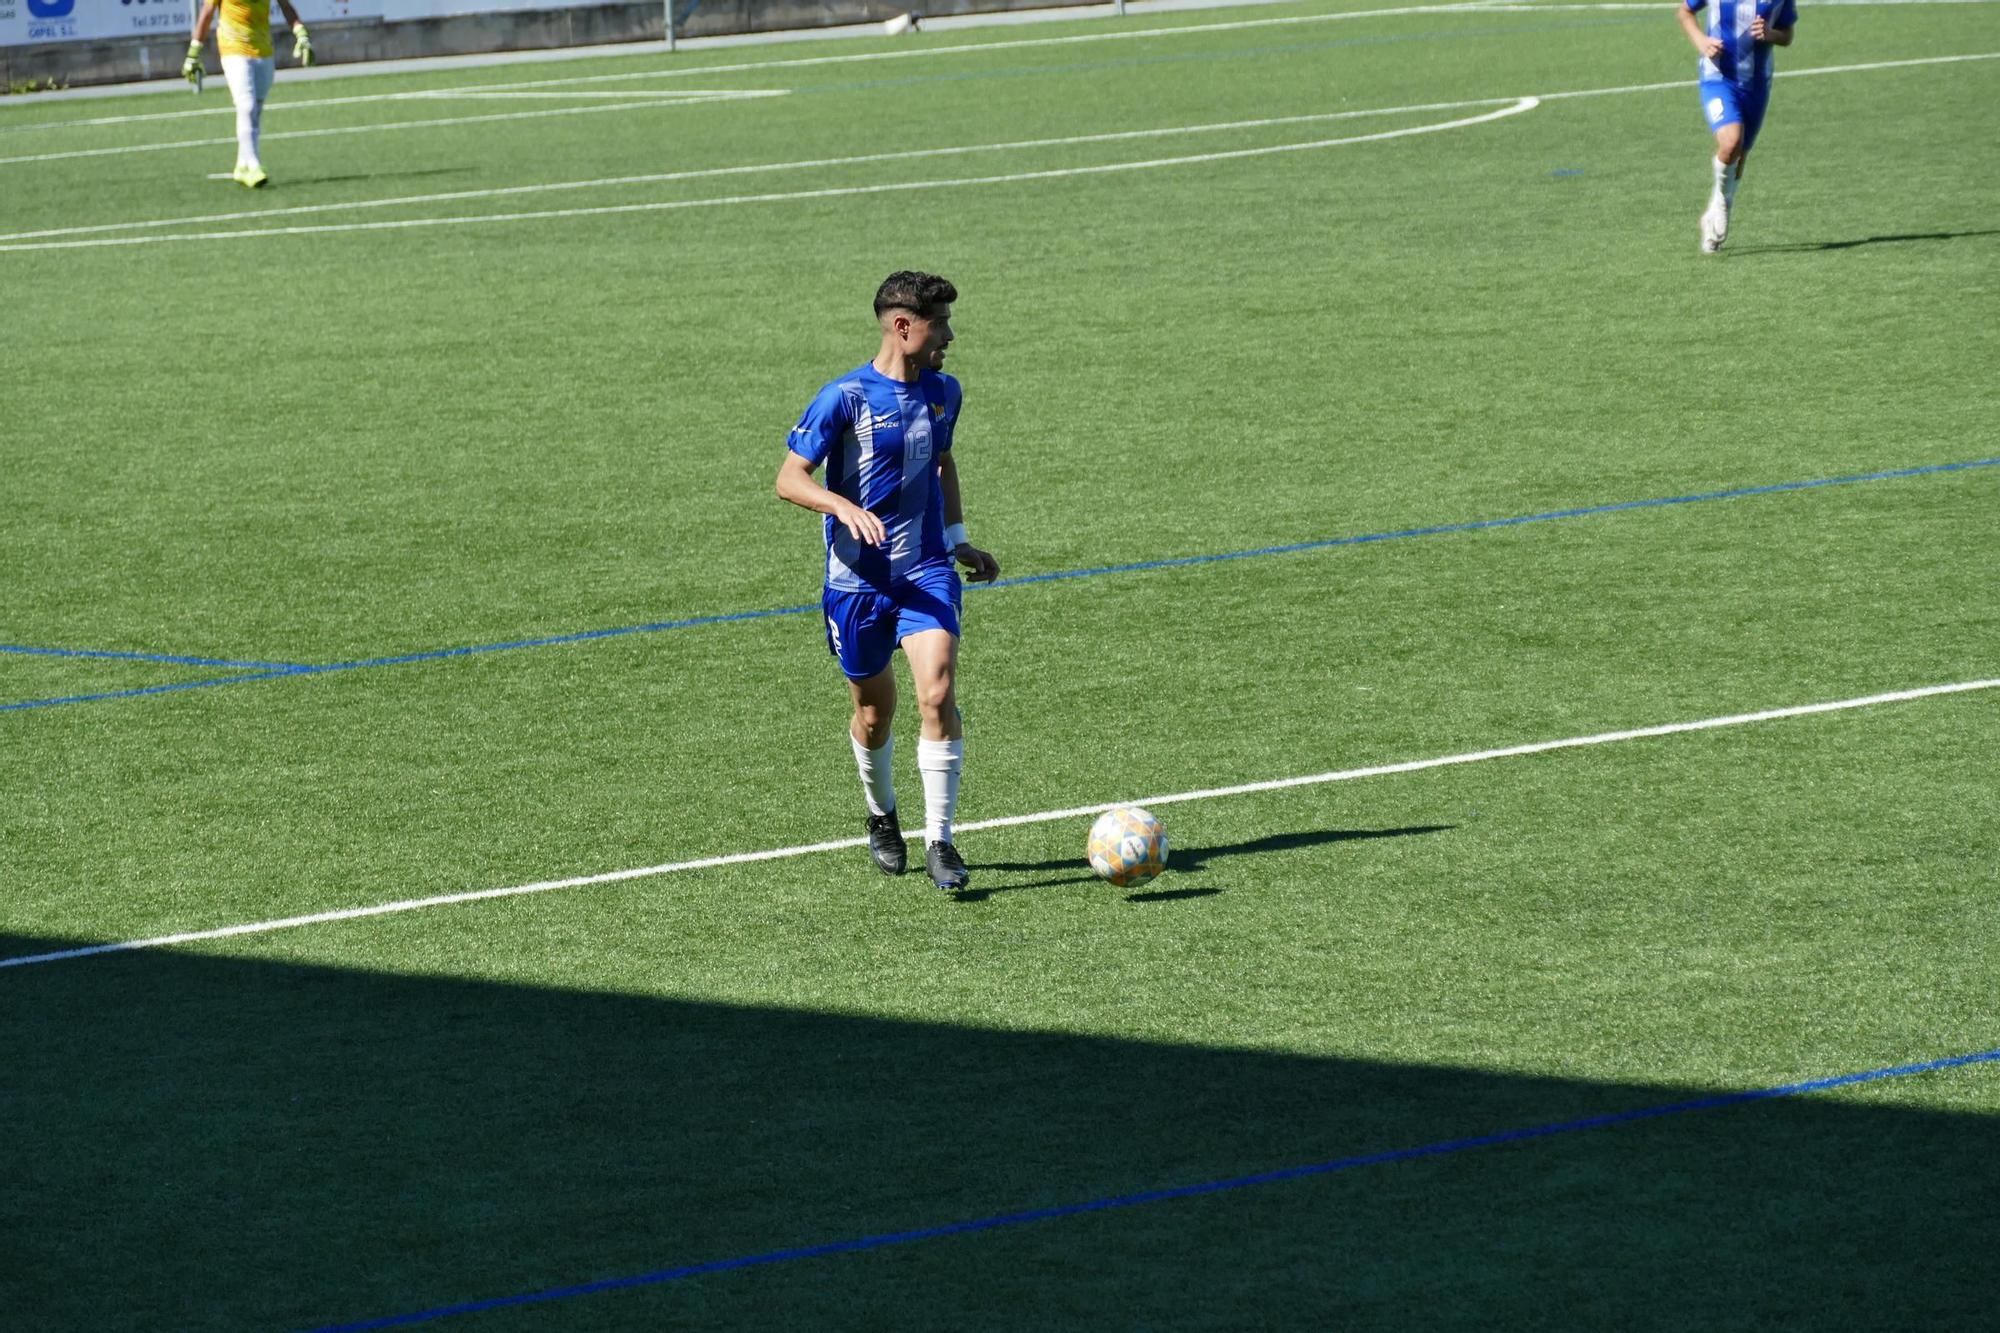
1183	860
1815	247
373	176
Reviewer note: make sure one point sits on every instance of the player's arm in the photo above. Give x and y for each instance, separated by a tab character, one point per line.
302	48
1710	47
980	566
191	67
797	484
1761	31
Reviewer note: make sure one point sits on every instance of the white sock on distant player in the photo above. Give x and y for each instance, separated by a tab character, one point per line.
878	778
1724	183
1730	181
940	763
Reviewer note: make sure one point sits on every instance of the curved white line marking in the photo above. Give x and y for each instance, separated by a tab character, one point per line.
315	103
704	173
651	102
905	53
654	102
584	94
1040	817
608	181
1518	106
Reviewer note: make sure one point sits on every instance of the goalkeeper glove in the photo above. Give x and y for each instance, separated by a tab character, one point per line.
302	44
191	67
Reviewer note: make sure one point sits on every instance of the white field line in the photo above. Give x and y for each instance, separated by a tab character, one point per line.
1524	104
1404	11
215	111
654	100
906	53
606	182
1024	43
648	102
1010	821
703	173
677	94
1468	6
1530	7
1868	67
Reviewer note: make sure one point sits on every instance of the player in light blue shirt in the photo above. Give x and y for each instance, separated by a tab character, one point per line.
894	526
1736	73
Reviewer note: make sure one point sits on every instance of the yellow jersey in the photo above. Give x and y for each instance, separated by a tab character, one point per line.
243	28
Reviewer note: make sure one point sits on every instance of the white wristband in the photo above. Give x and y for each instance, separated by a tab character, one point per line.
954	536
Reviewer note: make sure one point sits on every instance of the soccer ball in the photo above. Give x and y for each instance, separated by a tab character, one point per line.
1127	846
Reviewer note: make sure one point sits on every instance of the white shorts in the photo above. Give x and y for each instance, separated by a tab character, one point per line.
249	78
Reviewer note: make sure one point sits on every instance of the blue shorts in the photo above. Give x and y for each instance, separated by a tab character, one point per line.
1727	103
863	626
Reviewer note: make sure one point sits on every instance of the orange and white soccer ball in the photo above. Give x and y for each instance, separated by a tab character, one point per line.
1127	846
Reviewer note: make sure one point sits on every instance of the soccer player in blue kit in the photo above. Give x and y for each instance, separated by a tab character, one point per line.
894	526
1736	70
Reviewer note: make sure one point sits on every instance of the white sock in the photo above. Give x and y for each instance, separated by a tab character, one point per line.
1729	184
878	778
940	763
1719	197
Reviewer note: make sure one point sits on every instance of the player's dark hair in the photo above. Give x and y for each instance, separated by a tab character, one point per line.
923	294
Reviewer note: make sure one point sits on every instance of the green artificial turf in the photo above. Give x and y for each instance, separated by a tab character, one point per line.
331	448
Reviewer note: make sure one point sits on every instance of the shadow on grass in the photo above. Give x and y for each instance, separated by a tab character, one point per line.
1813	247
1169	895
351	176
1184	860
196	1142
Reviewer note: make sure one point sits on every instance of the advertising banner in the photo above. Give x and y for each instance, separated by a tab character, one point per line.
395	11
26	22
33	22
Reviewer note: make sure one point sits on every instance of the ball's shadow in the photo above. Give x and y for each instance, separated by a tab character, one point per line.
1183	860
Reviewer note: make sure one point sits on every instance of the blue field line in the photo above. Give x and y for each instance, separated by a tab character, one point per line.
174	659
173	687
1439	1149
655	627
439	654
1480	524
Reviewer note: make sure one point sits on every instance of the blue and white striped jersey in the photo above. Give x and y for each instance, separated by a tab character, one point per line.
881	440
1743	61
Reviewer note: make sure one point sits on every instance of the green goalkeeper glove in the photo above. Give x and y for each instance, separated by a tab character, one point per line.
191	67
302	44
